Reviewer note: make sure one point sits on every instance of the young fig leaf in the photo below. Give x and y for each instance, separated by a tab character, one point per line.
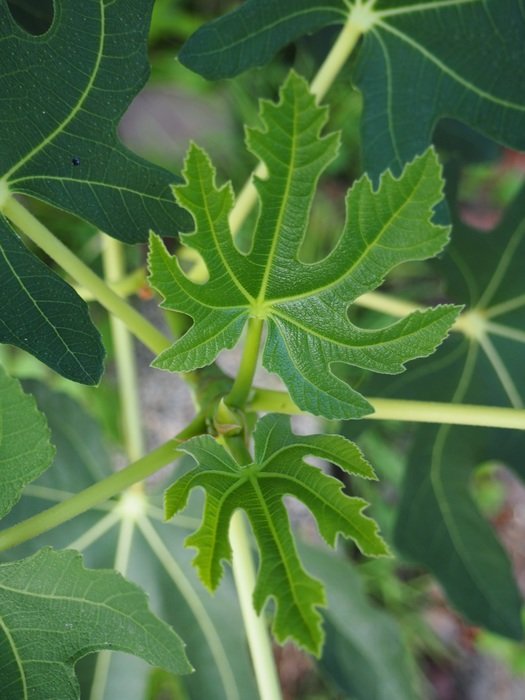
303	305
258	488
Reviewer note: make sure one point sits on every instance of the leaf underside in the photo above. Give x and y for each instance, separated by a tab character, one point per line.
418	62
63	94
211	627
439	524
278	470
304	305
54	611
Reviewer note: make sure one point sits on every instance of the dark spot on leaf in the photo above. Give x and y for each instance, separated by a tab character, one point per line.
75	161
35	18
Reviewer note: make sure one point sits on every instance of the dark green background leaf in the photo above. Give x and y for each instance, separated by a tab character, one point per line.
419	62
25	449
210	626
42	314
54	611
424	61
63	94
439	524
251	34
364	652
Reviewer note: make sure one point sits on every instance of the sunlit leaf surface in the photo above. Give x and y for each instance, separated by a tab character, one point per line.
303	305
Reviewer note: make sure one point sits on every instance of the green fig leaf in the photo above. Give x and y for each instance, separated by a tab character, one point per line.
25	448
418	62
63	94
303	305
278	470
54	611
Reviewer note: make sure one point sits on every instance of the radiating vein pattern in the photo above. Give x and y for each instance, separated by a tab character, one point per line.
418	62
422	62
278	470
484	271
60	111
305	306
63	94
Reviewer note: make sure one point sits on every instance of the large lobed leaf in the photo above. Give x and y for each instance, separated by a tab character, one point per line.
278	470
439	524
63	94
304	305
211	627
54	611
419	62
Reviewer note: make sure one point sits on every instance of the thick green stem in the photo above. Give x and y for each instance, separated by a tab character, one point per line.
81	273
114	270
327	73
404	410
255	625
102	491
242	562
338	56
244	574
243	381
104	658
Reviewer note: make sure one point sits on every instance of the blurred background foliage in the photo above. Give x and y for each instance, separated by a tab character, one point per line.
390	633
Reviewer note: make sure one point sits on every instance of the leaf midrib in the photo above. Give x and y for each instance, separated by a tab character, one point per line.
346	345
422	7
328	504
451	73
73	113
218	248
16	656
282	209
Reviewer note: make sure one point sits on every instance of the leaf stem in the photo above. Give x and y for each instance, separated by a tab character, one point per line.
337	57
243	381
323	80
256	630
405	410
113	260
114	271
242	562
102	491
44	239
